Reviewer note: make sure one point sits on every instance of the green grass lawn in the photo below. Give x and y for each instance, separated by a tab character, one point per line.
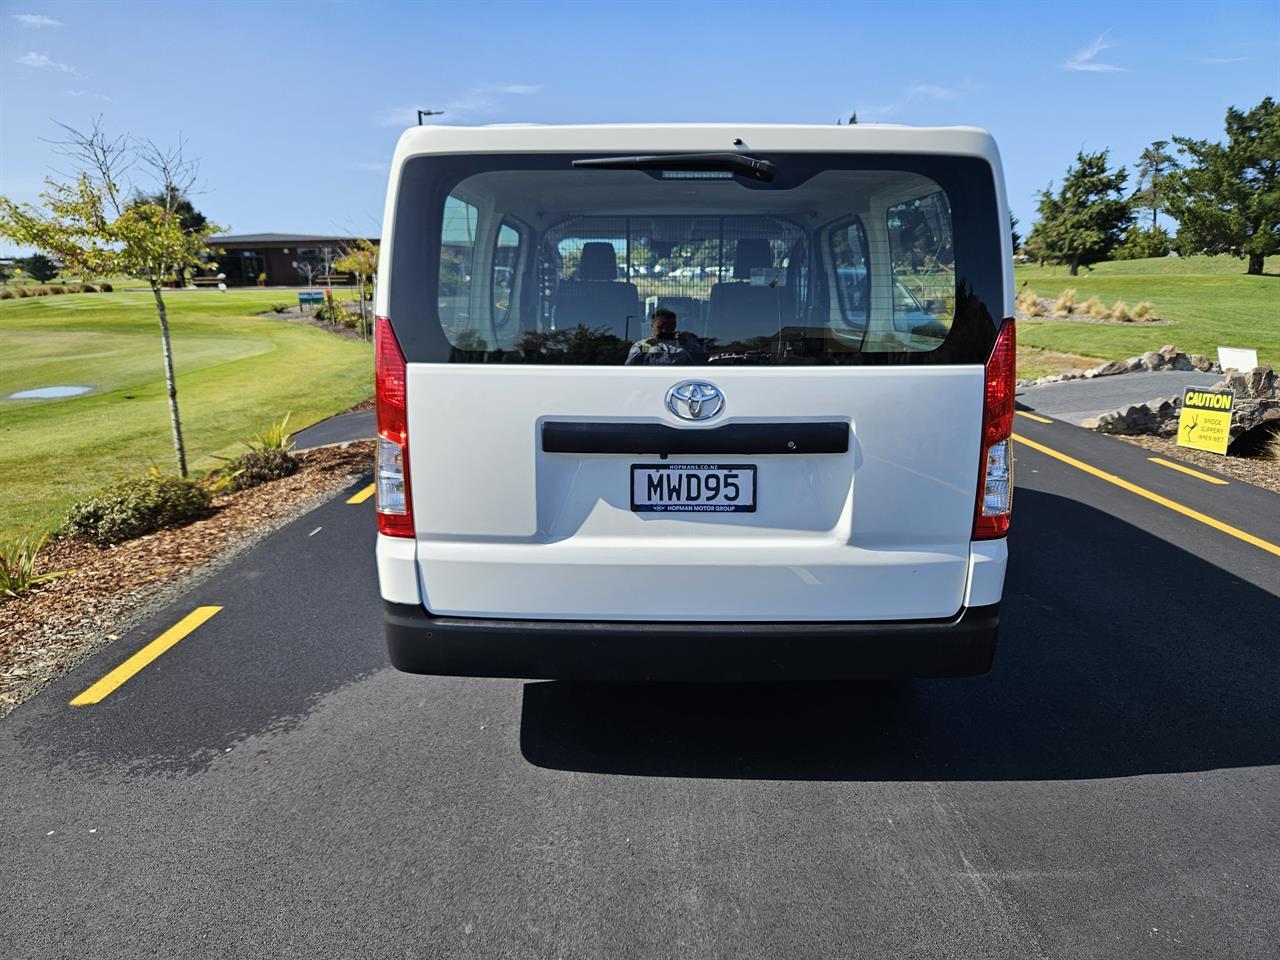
236	373
1211	301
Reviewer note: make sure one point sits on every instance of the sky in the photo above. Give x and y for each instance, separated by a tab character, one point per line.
293	109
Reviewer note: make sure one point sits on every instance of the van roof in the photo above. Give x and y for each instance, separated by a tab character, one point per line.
699	137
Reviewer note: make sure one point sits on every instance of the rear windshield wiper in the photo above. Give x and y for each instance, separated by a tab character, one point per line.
735	163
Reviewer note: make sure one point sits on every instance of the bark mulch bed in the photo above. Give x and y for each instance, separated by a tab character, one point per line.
296	314
49	630
1255	470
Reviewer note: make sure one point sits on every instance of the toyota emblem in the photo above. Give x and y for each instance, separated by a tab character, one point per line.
695	400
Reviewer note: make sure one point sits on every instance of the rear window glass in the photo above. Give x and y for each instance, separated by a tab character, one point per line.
457	266
922	262
530	260
506	267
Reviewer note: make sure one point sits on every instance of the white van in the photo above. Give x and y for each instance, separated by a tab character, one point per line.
781	449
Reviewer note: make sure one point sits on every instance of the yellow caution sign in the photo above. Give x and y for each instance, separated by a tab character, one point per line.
1205	422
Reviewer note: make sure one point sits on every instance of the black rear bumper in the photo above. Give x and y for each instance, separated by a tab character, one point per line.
656	650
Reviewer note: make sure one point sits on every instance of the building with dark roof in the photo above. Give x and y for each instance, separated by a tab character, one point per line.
273	258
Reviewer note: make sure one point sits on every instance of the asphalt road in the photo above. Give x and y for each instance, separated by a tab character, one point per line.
361	425
270	788
1075	400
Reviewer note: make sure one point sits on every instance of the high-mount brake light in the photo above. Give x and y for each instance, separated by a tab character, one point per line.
995	466
395	506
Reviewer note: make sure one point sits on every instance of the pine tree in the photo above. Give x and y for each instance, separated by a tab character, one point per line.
1228	199
1156	169
1082	223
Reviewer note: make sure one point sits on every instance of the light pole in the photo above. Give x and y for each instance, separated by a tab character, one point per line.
429	113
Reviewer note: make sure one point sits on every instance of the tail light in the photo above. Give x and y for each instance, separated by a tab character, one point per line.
995	468
395	507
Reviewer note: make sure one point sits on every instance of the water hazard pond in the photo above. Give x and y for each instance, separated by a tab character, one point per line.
48	393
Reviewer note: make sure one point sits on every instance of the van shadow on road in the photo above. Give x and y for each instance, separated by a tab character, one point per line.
1120	654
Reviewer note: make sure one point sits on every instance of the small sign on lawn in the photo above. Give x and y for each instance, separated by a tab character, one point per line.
1205	421
1237	358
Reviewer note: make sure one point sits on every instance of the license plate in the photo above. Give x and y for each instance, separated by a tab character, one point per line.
693	487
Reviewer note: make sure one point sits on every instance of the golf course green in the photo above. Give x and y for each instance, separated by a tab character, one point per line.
236	373
1210	302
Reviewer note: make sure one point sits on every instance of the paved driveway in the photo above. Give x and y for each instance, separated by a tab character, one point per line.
1075	400
269	787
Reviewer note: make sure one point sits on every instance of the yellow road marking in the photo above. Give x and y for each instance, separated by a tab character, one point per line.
1154	497
1187	470
360	496
1032	416
118	676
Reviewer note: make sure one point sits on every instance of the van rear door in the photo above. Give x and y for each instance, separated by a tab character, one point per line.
802	442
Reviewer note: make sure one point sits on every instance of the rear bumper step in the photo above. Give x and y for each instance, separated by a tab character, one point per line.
563	436
419	642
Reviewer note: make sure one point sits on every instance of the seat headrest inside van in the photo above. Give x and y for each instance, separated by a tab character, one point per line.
750	254
599	261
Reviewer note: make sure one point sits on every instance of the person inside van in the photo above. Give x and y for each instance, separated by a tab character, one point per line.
667	346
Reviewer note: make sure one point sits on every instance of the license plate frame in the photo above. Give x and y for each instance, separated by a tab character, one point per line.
747	505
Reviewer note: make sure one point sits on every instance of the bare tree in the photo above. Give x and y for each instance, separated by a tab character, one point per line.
308	270
362	260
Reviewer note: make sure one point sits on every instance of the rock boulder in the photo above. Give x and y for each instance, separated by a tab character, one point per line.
1152	361
1257	402
1108	369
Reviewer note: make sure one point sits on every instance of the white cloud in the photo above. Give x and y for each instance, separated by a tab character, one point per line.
36	20
931	92
917	91
41	61
1083	59
91	94
1224	59
474	105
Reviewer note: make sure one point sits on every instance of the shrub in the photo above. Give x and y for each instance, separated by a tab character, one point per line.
139	505
1093	307
279	307
1142	243
1065	303
1119	311
57	290
105	287
1142	311
275	437
1273	447
6	294
336	315
24	292
260	466
268	457
1030	304
18	566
